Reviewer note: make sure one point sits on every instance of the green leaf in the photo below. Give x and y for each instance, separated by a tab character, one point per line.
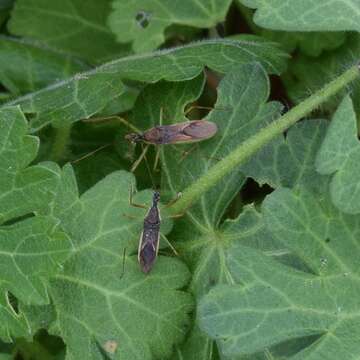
340	155
25	67
270	303
309	43
5	7
33	249
237	117
197	347
103	302
74	27
87	93
306	15
307	75
24	190
170	97
290	161
144	22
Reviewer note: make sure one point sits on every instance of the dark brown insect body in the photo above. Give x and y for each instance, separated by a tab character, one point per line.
149	238
185	132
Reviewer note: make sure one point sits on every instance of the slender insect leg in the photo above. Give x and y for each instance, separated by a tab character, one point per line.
171	247
174	200
129	125
177	216
142	206
161	115
90	153
192	107
116	117
138	161
123	264
157	156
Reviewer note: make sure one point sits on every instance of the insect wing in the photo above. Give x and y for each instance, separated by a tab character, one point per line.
148	250
149	240
200	129
192	131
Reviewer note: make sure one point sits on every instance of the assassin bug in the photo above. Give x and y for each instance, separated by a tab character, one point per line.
190	131
150	236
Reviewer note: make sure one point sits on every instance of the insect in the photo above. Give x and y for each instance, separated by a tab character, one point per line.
185	132
190	131
150	236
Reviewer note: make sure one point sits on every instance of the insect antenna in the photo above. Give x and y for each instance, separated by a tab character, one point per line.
91	153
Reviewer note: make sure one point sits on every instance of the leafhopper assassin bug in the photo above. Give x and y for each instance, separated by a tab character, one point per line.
150	235
190	131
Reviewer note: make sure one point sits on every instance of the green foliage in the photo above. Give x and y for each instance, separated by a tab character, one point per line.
74	27
86	94
270	303
308	74
26	67
306	15
309	43
340	154
143	22
110	301
264	228
31	250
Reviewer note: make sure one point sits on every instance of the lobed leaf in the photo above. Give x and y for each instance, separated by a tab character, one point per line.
31	250
307	75
308	43
144	22
88	93
25	67
306	15
340	155
270	303
199	236
312	43
103	302
74	27
24	189
290	161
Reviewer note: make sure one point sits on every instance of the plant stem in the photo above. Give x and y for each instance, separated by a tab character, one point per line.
249	147
59	147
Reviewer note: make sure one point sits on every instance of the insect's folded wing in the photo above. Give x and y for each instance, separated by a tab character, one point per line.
148	252
200	129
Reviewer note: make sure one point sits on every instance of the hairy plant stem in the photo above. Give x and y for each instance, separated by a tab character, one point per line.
59	147
249	147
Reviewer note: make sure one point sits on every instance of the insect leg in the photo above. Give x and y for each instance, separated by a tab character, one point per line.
161	115
142	206
171	247
174	200
157	156
138	161
123	264
192	107
90	153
